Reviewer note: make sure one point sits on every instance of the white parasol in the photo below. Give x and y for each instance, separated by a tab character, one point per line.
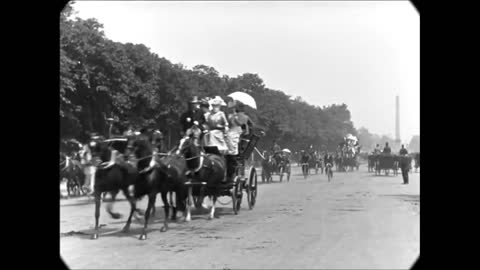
244	98
351	137
287	151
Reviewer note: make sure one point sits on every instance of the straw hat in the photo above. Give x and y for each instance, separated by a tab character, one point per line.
217	101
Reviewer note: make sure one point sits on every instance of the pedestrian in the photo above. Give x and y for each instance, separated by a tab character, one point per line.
404	164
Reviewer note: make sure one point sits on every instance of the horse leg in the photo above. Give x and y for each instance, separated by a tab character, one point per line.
166	208
110	204
98	201
133	208
151	203
173	204
189	204
212	208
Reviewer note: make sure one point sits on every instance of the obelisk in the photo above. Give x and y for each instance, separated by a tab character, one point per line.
397	122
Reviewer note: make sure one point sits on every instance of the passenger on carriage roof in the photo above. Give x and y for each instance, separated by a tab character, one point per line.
239	124
217	124
386	149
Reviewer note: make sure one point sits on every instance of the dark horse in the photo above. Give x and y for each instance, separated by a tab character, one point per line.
157	175
209	168
73	172
112	178
267	167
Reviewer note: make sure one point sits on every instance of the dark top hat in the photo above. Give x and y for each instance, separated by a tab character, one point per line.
194	100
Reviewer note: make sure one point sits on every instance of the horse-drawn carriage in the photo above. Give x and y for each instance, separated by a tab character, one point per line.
242	182
386	162
71	172
279	165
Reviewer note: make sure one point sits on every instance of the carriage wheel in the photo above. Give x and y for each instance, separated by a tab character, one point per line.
252	188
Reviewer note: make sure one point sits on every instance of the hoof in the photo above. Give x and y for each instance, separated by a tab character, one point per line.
94	236
163	229
143	236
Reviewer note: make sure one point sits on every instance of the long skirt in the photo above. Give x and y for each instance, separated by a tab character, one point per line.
232	140
217	138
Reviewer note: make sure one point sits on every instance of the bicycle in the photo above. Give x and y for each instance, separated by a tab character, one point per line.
328	171
305	170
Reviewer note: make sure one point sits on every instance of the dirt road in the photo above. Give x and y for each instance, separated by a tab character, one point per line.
358	220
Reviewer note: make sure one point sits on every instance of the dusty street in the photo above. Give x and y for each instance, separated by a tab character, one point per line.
358	220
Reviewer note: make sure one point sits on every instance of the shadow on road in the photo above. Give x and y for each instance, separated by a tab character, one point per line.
137	224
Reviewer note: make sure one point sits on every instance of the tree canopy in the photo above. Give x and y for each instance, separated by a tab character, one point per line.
100	78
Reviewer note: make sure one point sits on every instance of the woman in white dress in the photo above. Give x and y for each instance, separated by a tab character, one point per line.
218	124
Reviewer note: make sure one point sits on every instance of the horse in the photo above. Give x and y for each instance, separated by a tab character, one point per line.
371	163
156	175
205	167
267	167
417	161
74	175
112	179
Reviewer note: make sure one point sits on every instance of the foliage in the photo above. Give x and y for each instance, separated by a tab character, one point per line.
100	78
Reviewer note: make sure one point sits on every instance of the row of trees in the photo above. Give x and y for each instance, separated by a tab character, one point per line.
100	78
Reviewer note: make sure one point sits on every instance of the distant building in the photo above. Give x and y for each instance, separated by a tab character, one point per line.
414	145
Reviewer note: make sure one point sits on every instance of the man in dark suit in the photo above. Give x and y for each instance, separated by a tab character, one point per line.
404	164
386	149
194	116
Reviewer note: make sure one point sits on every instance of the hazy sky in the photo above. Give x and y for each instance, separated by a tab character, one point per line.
358	53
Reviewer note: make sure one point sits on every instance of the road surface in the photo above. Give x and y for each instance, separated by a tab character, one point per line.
358	220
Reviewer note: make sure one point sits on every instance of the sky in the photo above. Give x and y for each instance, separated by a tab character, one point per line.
359	53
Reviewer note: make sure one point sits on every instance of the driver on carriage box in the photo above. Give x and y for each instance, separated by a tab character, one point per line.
277	152
194	116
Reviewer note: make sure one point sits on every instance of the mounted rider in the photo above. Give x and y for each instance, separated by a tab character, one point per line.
328	159
304	157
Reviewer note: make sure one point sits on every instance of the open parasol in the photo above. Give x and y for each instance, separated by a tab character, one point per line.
244	98
287	151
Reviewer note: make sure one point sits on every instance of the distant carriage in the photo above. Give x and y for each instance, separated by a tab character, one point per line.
386	162
270	167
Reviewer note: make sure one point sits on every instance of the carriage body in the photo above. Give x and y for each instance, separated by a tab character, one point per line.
386	162
245	177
